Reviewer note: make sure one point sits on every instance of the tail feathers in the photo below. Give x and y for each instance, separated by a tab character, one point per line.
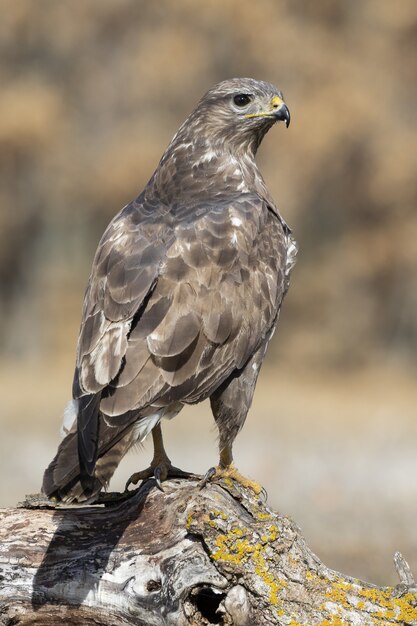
62	478
88	439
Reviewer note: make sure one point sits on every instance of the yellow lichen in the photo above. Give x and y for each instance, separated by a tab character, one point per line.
234	548
338	593
228	482
334	620
402	609
274	532
239	546
385	605
218	513
263	516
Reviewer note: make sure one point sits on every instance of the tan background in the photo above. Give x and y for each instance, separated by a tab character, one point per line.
91	93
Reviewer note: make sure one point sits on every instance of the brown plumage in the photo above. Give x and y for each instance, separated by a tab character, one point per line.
184	293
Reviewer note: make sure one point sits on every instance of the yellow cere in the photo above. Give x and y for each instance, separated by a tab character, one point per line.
276	102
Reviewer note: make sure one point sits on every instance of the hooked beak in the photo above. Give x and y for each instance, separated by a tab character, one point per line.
280	110
282	114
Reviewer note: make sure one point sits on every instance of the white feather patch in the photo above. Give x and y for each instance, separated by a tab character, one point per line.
236	221
208	156
143	427
292	250
70	417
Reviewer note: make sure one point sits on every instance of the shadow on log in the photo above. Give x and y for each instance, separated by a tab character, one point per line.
216	555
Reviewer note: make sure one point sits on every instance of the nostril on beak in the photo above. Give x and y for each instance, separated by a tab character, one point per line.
282	113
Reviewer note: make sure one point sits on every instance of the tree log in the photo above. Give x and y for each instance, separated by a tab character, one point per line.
216	555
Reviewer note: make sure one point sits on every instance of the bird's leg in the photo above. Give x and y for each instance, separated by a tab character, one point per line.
227	471
226	457
230	404
161	467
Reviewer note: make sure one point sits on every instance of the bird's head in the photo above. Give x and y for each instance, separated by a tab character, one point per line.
227	125
241	110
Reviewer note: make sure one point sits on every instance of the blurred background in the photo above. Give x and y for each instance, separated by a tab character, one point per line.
91	93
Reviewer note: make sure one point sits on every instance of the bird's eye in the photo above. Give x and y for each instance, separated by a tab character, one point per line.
242	99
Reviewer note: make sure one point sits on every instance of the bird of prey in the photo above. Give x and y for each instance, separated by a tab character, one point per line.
183	297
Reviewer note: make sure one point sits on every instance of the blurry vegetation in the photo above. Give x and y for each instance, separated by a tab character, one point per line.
93	90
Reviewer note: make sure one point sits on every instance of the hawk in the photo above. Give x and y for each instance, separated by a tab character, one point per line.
183	297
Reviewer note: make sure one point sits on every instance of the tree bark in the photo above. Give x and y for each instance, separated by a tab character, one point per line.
216	555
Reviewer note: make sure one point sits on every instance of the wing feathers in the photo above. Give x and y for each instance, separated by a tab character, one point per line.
174	334
169	321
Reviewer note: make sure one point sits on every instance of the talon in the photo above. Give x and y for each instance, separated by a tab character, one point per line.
263	494
230	473
160	468
207	477
159	472
133	480
157	477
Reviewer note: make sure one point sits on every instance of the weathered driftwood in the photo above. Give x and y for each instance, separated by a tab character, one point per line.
216	555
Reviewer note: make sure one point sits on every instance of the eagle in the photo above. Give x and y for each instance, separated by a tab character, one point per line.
183	298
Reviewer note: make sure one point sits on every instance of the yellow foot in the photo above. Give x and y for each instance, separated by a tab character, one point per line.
160	471
230	473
